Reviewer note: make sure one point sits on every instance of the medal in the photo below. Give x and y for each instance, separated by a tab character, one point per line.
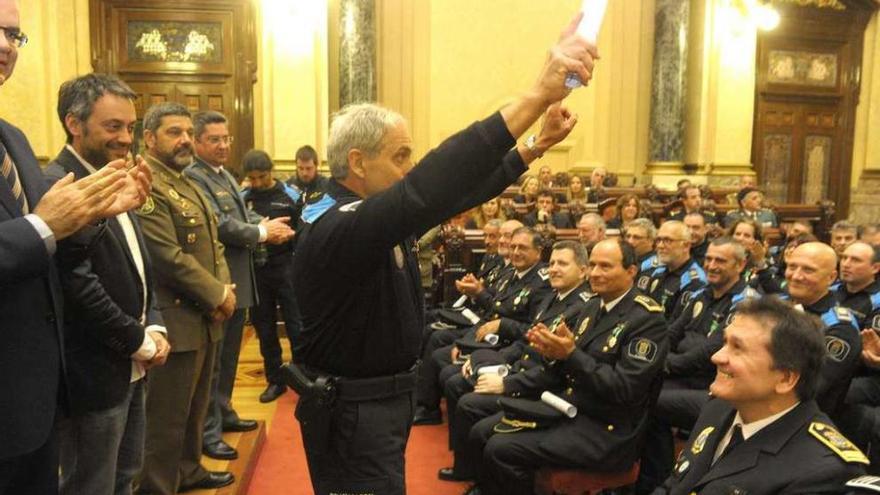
173	194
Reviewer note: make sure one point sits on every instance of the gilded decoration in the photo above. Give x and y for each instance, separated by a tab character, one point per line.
817	166
822	4
802	68
175	41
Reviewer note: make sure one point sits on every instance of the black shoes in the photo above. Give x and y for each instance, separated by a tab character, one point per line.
474	490
214	480
272	392
448	474
220	450
425	416
239	425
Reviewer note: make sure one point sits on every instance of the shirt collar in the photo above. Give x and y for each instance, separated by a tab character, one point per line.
566	293
88	166
216	168
755	426
610	305
525	272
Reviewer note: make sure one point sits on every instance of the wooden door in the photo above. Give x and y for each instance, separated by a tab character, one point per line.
201	53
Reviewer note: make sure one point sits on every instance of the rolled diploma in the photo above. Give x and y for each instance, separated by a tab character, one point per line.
558	403
594	13
497	369
473	318
460	302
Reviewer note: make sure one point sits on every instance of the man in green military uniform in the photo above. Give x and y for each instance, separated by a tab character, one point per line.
194	295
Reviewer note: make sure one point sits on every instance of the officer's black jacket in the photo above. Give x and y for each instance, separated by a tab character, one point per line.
612	377
487	264
863	303
356	274
782	458
274	202
673	288
699	332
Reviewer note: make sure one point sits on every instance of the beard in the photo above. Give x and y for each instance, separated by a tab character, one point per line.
177	159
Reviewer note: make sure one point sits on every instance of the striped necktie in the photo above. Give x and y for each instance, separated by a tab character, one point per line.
7	169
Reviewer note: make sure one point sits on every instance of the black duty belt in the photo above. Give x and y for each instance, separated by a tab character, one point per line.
308	381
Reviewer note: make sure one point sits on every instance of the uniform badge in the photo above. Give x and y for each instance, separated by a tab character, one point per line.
398	256
173	195
875	323
654	284
615	333
698	308
544	273
712	328
836	348
700	442
644	280
555	323
683	466
838	443
583	327
190	238
522	295
148	207
642	350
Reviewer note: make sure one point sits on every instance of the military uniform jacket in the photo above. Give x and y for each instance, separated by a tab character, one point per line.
499	277
487	264
237	227
763	216
613	377
863	303
180	230
794	454
672	289
699	332
356	274
843	350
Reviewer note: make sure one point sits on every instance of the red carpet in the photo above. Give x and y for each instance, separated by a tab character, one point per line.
282	470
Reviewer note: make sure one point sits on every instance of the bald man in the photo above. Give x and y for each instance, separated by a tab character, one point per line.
810	273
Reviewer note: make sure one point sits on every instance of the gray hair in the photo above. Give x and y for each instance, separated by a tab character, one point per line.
844	225
581	258
595	219
362	126
495	222
205	118
646	225
77	96
739	251
155	114
682	231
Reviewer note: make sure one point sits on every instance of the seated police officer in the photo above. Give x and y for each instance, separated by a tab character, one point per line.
692	202
678	275
640	234
764	433
693	338
491	259
568	273
699	229
810	272
859	417
608	366
515	304
858	289
591	229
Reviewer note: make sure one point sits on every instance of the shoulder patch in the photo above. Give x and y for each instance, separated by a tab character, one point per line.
843	313
836	348
314	211
544	273
651	305
350	207
642	349
831	438
292	192
148	207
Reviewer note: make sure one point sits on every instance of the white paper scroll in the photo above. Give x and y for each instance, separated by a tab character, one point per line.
558	403
594	14
473	318
498	369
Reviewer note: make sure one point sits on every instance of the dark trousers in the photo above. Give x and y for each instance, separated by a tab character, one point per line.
472	409
275	286
34	473
225	366
454	388
677	406
362	449
436	356
859	417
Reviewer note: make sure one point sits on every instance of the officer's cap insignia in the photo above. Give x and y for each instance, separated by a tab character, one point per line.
875	323
836	348
350	206
698	308
544	273
173	194
700	442
649	304
643	350
583	327
148	207
843	314
838	443
654	284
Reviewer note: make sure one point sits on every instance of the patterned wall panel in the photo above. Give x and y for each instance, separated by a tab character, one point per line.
817	167
776	166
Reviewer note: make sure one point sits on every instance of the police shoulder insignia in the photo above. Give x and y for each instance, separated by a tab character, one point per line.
585	295
642	349
836	348
544	273
875	322
700	442
148	207
350	206
654	284
651	305
831	438
173	194
843	313
583	327
698	308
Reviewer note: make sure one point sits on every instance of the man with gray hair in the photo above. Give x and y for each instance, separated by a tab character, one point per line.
356	273
678	275
843	233
195	296
591	230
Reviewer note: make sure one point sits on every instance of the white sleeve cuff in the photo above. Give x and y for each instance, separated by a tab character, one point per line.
264	232
45	232
147	350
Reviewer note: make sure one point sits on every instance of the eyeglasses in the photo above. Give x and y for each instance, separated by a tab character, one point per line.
668	240
215	140
14	36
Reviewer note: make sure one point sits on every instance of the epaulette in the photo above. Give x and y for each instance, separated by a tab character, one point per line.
586	295
875	300
649	263
867	482
838	314
544	273
314	211
831	438
651	305
292	191
693	273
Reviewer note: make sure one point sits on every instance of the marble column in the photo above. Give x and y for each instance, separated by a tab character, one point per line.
668	87
357	51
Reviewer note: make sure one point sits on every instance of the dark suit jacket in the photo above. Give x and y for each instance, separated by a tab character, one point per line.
103	303
236	227
559	220
30	304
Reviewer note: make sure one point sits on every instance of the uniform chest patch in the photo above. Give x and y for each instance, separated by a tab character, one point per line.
836	348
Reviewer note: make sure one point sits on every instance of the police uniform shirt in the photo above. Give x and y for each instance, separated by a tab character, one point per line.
280	200
356	273
699	332
647	264
862	303
748	430
672	289
698	252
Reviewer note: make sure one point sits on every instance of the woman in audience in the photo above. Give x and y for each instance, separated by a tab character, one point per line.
750	234
490	210
528	192
628	209
576	192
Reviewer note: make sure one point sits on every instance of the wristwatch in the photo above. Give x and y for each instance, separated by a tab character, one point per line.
532	145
